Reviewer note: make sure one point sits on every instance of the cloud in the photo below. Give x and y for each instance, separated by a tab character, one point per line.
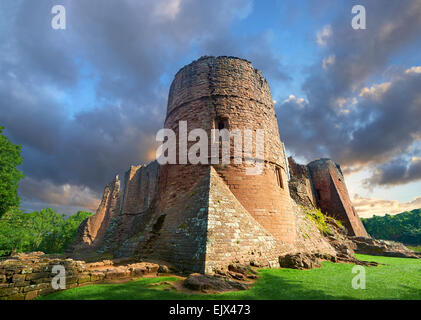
63	196
256	48
351	113
399	171
328	61
376	91
416	69
86	102
167	9
323	35
367	207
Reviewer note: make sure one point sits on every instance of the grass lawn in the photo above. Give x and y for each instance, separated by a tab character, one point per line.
399	278
415	248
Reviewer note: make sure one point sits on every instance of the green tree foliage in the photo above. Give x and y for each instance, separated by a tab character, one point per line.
9	174
45	231
404	227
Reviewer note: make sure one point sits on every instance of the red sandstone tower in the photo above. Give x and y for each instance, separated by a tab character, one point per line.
228	93
207	210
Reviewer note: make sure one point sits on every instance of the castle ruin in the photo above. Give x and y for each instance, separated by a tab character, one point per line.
201	217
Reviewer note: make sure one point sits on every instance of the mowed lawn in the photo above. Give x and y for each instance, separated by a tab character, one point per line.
398	278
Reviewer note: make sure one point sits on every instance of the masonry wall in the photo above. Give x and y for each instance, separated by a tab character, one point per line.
122	208
332	195
300	185
27	276
91	232
233	235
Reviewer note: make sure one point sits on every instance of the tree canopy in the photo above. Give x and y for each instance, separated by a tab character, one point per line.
10	176
404	227
43	230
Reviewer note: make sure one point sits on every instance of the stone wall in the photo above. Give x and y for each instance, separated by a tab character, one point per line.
120	208
91	232
300	186
332	195
26	276
233	235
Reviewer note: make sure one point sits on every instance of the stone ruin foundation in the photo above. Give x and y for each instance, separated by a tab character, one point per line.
204	218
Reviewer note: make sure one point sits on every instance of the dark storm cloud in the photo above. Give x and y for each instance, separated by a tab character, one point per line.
65	195
258	50
123	48
339	117
398	171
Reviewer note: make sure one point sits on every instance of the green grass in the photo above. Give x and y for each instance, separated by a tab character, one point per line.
399	278
415	248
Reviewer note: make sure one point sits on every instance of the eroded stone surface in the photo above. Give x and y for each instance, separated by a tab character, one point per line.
383	248
206	283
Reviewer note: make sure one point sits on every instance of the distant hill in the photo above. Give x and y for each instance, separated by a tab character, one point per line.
404	227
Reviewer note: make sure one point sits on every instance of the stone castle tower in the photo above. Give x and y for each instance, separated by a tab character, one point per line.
228	93
201	217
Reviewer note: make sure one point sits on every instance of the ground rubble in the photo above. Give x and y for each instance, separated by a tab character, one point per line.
383	248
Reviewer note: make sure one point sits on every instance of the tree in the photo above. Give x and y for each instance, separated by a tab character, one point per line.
403	227
43	230
10	176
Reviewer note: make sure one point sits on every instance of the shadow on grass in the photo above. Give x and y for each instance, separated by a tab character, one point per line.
396	279
274	287
269	287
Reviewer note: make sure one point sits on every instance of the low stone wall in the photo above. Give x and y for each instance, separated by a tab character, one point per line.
26	276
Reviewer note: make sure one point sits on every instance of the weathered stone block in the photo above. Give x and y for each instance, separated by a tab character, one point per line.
84	278
31	295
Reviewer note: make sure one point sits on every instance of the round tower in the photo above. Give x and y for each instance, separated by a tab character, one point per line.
228	93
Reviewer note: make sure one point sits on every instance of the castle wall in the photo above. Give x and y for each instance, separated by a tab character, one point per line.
332	195
140	186
120	211
91	232
300	185
177	231
233	234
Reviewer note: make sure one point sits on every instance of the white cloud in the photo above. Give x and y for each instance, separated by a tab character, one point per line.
375	92
323	35
168	9
299	101
416	69
328	61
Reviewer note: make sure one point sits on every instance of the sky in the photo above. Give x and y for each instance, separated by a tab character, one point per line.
86	102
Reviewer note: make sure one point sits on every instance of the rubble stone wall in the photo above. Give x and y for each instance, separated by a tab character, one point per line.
26	276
